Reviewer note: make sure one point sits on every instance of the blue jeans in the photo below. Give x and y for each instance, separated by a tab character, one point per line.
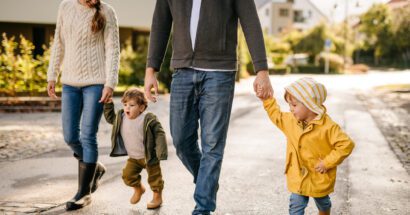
80	105
298	204
205	97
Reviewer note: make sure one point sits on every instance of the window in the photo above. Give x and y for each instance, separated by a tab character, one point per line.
283	12
298	16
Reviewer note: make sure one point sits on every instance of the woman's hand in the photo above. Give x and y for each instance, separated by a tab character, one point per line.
51	89
106	95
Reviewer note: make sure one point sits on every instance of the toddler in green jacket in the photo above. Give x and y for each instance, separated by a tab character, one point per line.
139	135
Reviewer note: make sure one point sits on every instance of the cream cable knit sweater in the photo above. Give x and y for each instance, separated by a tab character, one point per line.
88	58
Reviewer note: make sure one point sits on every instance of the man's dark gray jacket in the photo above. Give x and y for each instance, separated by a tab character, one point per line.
216	38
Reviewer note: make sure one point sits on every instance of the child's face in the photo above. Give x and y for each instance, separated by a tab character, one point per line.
299	110
132	110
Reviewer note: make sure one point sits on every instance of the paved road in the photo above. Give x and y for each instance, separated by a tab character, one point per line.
371	181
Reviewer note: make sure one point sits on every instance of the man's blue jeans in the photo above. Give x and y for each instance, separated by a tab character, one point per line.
80	105
205	97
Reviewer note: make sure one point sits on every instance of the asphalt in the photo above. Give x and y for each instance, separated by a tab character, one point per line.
370	181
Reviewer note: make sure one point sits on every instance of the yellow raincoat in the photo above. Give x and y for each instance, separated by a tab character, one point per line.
320	139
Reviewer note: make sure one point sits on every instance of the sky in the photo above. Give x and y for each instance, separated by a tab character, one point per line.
338	14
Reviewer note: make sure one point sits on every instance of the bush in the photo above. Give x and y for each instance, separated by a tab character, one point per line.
133	64
308	69
278	58
249	68
21	72
280	70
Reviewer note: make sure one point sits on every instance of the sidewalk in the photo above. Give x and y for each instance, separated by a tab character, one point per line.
371	181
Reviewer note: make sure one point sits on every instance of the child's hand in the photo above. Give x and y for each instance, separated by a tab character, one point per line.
259	94
109	100
320	167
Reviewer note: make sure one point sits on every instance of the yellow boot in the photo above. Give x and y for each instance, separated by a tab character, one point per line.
138	191
156	200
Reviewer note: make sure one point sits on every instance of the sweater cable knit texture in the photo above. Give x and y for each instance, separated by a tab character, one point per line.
82	57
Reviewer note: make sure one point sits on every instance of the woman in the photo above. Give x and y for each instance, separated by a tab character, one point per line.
86	42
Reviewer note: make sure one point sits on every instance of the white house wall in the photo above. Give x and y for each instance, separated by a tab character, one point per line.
131	13
310	21
265	17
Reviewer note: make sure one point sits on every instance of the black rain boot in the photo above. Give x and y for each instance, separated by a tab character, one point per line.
86	172
99	172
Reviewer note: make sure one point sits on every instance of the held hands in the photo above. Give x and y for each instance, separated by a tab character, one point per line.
106	95
149	83
320	167
262	85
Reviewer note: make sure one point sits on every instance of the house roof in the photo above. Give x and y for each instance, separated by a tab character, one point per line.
396	1
317	9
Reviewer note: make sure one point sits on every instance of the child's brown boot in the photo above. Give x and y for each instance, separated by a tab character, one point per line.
138	191
156	200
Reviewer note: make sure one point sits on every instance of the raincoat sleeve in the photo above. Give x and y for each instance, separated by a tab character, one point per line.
342	147
279	118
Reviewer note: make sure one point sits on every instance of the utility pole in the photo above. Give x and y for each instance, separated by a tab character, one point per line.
345	34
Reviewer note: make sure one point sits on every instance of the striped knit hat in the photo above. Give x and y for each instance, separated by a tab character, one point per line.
311	93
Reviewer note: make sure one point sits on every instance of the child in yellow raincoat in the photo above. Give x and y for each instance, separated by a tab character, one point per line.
315	144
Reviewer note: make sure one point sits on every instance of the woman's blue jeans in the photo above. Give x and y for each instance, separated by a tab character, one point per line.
200	98
81	115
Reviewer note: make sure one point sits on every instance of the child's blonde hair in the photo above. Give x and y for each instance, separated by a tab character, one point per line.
289	97
135	95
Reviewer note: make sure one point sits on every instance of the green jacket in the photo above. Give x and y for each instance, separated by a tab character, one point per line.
154	136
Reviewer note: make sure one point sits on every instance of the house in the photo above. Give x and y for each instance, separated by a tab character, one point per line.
306	15
277	16
397	4
35	19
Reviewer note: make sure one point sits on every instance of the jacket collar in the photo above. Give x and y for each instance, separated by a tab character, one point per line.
317	121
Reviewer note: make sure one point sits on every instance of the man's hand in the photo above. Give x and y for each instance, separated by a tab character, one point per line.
150	82
320	167
262	86
51	89
106	95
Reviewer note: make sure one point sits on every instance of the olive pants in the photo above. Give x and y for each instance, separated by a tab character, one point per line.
131	174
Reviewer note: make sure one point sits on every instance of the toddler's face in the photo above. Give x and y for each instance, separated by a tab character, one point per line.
298	109
132	110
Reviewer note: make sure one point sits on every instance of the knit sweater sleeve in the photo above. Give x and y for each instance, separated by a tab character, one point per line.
57	49
112	49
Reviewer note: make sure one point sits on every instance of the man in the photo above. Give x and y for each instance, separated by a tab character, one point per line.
204	57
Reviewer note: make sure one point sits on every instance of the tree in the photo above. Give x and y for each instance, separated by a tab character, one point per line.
401	30
376	24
